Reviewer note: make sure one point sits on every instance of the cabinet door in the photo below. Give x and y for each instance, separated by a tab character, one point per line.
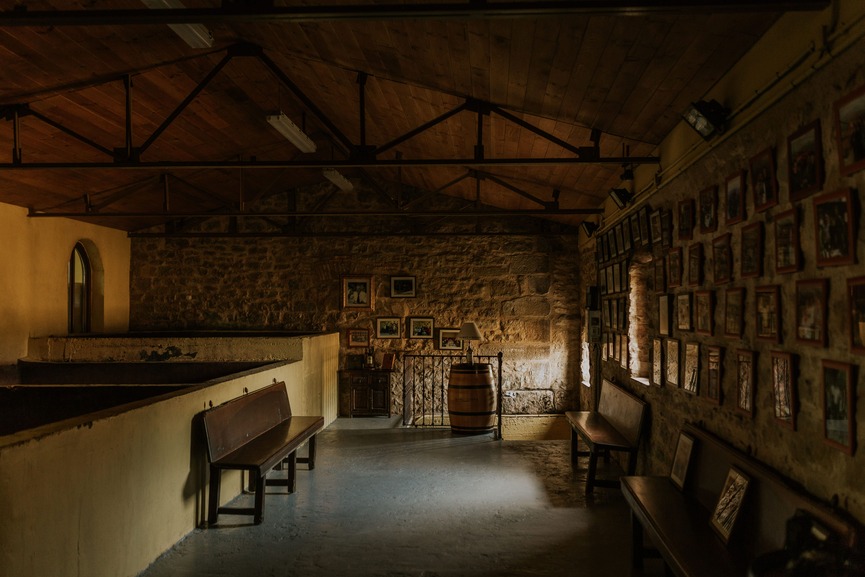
360	398
380	389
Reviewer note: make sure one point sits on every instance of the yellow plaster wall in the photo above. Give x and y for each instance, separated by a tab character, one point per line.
33	277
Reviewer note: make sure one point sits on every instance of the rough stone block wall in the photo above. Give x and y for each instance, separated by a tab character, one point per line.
520	289
800	454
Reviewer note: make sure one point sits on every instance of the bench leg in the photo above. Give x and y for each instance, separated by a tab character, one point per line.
574	448
632	462
636	543
260	484
593	467
291	481
310	458
215	479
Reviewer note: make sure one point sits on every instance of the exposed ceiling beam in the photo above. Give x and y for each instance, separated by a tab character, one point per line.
21	16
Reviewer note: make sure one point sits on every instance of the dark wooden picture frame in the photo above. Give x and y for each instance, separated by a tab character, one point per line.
660	275
683	311
764	184
671	374
856	313
745	371
730	503
691	373
674	267
403	287
658	362
805	161
722	259
784	388
657	227
708	209
681	460
734	312
387	328
704	313
751	247
850	131
448	340
839	421
358	292
645	229
834	227
421	327
664	320
636	235
767	313
811	309
787	249
357	338
734	196
695	264
714	373
686	219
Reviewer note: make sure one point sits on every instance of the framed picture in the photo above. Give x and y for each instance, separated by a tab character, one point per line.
767	307
752	250
714	373
763	182
734	312
664	314
734	194
449	341
833	225
645	233
683	311
636	237
838	414
686	219
387	361
358	338
357	292
745	361
704	314
811	311
672	372
681	459
666	228
729	503
695	264
657	232
605	346
692	368
805	161
674	267
402	287
856	313
787	241
420	328
850	131
657	362
708	209
783	388
387	328
722	263
660	276
623	351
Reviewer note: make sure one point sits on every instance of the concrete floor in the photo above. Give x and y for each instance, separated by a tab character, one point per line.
394	502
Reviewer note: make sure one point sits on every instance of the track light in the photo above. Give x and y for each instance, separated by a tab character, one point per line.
707	118
589	228
292	132
338	179
195	35
621	196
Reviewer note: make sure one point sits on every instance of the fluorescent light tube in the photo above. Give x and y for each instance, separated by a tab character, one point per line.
195	35
292	132
338	179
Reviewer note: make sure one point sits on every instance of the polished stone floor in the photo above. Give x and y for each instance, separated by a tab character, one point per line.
396	502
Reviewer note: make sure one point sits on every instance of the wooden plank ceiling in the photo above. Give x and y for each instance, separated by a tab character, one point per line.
629	77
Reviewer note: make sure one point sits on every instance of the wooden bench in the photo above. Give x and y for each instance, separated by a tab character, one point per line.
615	426
677	521
256	433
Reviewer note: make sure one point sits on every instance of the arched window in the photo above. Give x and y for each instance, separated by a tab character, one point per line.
80	284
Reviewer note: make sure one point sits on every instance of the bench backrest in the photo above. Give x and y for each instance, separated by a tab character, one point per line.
622	410
233	423
770	501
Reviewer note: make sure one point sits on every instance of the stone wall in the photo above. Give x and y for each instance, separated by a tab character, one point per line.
801	453
520	289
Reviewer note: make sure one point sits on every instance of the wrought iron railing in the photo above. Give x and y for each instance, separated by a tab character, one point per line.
424	388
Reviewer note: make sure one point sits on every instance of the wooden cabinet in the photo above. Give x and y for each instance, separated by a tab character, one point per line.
364	393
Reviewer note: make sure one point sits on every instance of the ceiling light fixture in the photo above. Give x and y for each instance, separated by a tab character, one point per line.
291	132
589	228
621	196
195	35
338	179
707	118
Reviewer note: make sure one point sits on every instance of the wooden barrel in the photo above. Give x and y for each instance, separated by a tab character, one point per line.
471	398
